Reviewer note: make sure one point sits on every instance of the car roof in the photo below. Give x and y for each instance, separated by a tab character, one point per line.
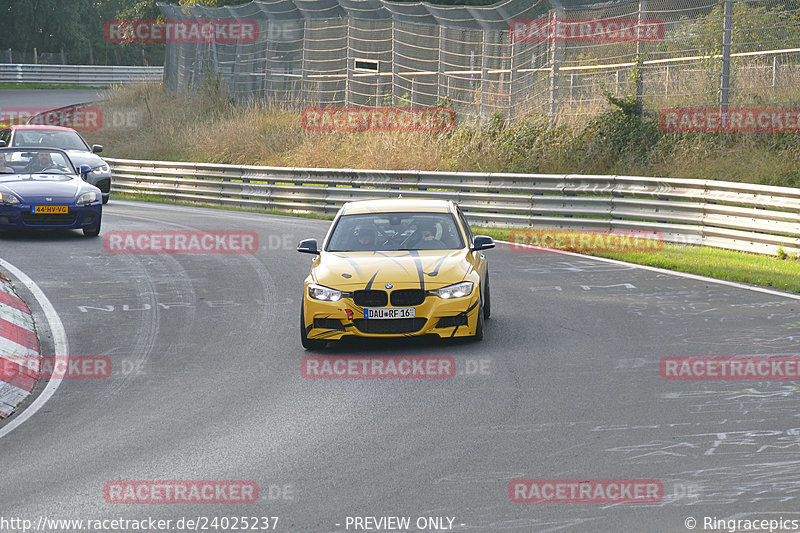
40	127
393	205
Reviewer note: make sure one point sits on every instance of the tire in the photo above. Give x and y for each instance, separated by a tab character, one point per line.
106	199
487	304
92	232
478	336
308	344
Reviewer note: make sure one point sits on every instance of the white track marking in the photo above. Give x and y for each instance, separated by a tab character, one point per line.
664	271
59	341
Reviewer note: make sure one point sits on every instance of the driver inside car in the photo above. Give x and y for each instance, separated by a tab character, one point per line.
39	163
428	240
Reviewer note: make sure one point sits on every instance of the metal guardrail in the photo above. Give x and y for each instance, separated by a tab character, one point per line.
738	216
78	74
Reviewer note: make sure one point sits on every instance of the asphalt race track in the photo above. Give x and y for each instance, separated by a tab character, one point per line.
46	98
207	385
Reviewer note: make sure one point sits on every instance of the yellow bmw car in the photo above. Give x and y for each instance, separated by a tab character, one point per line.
396	268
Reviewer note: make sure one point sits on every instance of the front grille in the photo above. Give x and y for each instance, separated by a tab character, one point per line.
328	323
394	325
452	321
104	185
407	297
370	298
48	220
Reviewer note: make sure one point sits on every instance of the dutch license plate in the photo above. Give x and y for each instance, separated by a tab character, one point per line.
400	312
50	209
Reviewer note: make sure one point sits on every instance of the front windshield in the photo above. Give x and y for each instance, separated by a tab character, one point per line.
395	231
64	140
34	162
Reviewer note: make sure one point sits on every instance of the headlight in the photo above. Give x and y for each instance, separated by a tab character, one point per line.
87	198
99	170
8	199
319	292
459	290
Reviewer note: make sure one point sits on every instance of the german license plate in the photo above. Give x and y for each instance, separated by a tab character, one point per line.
50	209
400	312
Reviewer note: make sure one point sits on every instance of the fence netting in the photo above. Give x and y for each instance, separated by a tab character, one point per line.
515	58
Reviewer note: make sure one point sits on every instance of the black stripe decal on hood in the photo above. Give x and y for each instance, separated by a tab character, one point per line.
418	264
372	280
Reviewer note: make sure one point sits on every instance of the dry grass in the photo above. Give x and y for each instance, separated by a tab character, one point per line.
208	127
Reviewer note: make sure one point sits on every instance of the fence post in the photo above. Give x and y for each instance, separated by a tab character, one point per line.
349	65
775	70
304	88
571	88
440	66
639	74
556	57
394	65
512	78
484	83
726	61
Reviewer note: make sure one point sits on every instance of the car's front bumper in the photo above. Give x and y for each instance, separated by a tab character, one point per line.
456	317
103	183
21	216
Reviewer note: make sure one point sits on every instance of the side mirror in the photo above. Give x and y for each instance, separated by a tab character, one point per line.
2	144
97	148
482	242
308	246
84	169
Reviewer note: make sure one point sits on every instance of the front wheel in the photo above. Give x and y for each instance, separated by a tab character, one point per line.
92	232
487	304
478	336
308	344
106	199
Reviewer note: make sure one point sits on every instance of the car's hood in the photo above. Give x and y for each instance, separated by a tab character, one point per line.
30	187
80	157
427	269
